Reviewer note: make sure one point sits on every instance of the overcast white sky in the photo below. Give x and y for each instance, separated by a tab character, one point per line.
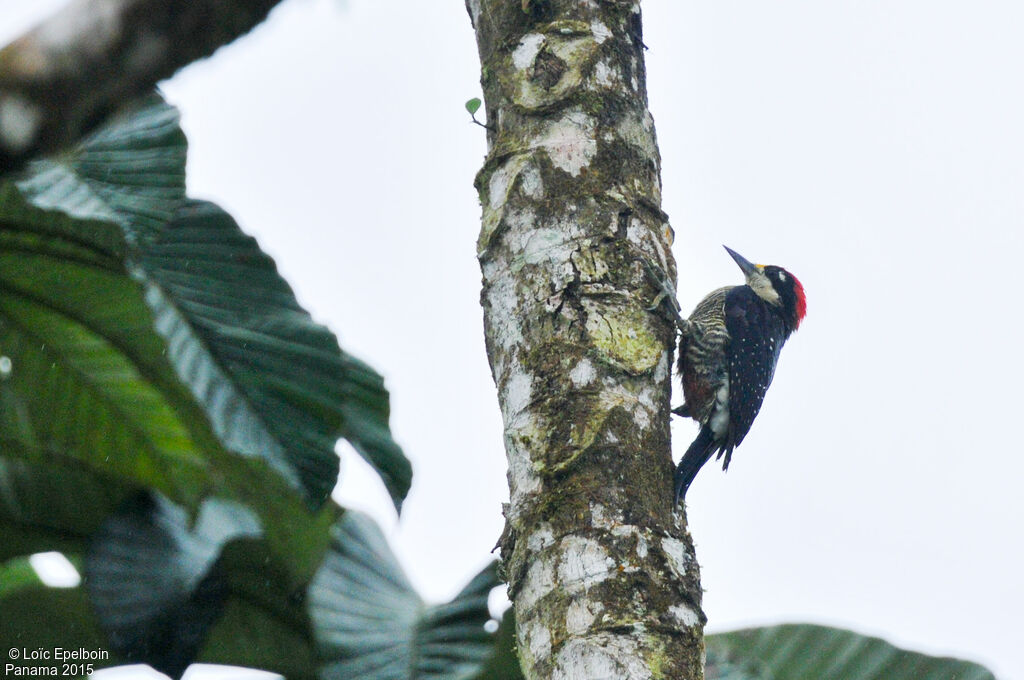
875	149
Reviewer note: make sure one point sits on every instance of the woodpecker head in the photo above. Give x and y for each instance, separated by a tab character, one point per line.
776	286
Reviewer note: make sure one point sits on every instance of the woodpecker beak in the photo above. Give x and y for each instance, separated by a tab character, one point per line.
745	265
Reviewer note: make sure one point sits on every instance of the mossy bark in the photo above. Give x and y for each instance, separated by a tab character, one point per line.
601	572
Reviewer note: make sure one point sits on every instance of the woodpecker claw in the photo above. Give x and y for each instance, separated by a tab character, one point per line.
657	302
665	292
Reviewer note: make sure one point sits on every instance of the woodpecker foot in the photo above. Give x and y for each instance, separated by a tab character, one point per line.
666	292
657	301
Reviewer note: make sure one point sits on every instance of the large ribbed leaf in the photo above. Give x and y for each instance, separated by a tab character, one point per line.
216	282
150	577
785	652
370	624
147	343
87	378
810	652
148	355
131	171
273	384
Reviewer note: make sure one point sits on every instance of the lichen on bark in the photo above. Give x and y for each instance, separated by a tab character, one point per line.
602	573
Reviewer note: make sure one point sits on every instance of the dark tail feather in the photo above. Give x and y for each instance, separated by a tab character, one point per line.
700	452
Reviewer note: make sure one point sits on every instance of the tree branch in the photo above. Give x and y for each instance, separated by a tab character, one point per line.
68	74
602	574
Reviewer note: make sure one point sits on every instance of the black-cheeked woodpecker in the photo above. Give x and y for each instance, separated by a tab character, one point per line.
728	350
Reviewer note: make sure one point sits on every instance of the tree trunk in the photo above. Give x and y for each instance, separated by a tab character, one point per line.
602	574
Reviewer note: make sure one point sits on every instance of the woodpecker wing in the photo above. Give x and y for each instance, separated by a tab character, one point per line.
756	335
702	353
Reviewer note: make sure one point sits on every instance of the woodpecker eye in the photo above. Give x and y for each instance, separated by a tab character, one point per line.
782	276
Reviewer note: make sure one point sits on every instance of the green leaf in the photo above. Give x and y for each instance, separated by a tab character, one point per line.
89	380
169	593
369	623
165	359
810	652
37	616
473	105
131	171
151	581
149	344
17	574
51	506
215	282
503	663
264	624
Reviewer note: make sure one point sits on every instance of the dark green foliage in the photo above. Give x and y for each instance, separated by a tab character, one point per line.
152	354
809	652
288	369
369	623
151	578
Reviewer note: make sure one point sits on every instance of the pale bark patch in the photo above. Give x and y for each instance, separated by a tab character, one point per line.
584	563
532	183
675	551
580	615
538	582
570	143
636	130
601	657
520	431
603	517
583	373
684	615
605	75
641	546
503	301
517	395
474	10
619	395
503	179
549	245
661	370
527	50
540	641
646	399
540	539
600	31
